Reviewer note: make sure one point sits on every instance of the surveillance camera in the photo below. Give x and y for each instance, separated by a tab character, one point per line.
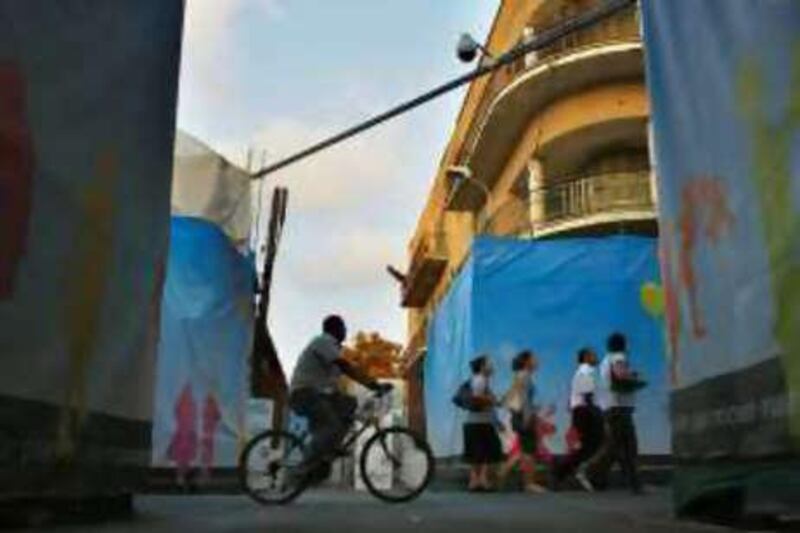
467	48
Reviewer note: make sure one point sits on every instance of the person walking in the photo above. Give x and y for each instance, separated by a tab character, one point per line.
587	420
617	397
519	400
482	447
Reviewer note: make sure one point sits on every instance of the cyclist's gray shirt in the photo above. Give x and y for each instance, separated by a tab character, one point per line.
315	369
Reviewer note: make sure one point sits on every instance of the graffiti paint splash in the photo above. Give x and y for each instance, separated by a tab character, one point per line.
88	273
16	175
183	447
705	217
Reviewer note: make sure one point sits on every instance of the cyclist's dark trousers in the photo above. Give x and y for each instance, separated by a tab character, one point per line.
329	417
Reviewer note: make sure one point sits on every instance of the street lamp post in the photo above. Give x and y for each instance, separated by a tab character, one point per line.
462	174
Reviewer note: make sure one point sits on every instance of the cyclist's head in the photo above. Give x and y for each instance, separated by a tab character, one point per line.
334	326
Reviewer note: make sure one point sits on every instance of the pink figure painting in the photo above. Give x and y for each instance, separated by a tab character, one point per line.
211	419
16	175
545	429
183	447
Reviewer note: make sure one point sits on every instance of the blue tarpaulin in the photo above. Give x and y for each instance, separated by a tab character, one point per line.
552	297
206	338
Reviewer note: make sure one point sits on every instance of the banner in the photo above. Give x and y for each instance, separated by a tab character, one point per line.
87	119
724	79
553	297
206	341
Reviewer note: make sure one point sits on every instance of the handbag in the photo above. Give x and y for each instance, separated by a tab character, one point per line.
627	384
464	399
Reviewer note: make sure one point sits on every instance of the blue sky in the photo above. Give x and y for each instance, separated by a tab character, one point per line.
276	75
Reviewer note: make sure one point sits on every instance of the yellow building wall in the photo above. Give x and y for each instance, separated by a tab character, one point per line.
575	111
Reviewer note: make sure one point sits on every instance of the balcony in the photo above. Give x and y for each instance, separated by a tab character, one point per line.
622	27
592	201
607	53
587	205
428	264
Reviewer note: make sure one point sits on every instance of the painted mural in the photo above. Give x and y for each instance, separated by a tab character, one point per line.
85	177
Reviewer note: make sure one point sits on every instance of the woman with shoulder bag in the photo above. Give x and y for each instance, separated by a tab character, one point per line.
482	447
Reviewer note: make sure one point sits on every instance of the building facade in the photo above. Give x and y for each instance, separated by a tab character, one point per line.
555	145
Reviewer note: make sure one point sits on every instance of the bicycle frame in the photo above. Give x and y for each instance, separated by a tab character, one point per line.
354	431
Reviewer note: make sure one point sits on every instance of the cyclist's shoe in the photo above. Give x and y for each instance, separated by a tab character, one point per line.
310	473
341	453
320	473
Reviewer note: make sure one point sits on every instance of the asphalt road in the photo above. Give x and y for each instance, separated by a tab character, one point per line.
348	512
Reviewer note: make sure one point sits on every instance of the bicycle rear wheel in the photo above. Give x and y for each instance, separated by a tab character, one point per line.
266	466
396	465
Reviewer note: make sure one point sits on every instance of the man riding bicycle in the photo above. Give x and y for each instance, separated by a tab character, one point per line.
314	393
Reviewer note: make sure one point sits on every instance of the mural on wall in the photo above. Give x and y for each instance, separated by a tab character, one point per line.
16	174
204	349
89	269
704	219
85	179
727	151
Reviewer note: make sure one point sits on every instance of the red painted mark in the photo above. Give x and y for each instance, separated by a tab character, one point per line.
705	218
211	419
183	447
703	200
16	175
572	439
671	304
545	429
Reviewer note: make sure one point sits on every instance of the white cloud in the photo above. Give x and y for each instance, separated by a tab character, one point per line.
207	21
209	47
356	258
350	174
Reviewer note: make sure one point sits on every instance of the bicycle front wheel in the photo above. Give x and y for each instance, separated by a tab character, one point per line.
396	465
266	467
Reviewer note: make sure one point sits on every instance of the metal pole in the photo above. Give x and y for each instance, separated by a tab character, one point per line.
542	40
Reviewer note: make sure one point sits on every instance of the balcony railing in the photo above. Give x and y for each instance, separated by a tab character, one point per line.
593	195
620	28
427	266
595	199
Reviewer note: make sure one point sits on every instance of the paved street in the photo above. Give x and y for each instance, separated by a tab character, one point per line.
346	512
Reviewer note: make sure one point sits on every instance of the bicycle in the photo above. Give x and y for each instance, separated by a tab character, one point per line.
268	461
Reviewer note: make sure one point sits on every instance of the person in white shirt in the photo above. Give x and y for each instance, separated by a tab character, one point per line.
621	444
586	419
